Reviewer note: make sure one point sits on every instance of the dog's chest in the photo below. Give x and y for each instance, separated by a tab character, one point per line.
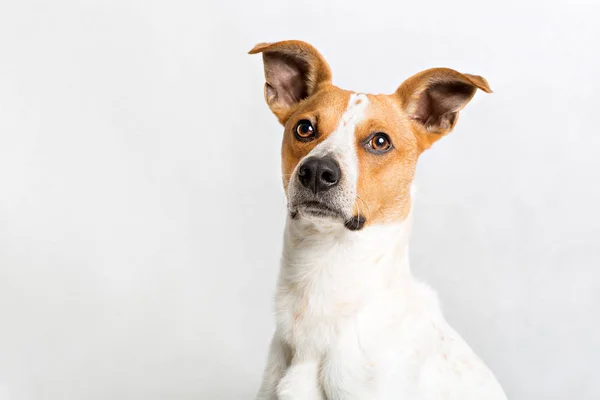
341	330
310	318
323	294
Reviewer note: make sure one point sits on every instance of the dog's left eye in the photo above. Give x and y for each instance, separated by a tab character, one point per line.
304	131
379	143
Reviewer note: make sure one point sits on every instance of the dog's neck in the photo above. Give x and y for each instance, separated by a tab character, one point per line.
317	249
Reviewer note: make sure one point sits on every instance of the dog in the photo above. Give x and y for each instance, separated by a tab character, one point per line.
351	321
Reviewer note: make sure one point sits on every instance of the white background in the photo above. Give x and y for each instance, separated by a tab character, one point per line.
141	209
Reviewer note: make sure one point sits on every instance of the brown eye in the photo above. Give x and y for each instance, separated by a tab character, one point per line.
380	143
304	130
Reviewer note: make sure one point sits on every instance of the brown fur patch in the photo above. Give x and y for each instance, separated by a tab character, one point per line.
384	180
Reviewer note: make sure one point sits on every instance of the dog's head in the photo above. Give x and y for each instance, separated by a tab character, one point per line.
350	156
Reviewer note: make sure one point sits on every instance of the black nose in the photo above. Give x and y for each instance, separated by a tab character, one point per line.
319	173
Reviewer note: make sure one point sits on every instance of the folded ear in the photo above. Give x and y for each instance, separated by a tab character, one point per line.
293	71
434	97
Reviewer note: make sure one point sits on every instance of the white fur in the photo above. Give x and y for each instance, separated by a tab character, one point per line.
352	323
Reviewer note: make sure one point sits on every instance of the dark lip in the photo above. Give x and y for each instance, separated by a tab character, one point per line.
320	209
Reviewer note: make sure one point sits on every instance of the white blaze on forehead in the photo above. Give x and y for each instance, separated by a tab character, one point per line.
341	143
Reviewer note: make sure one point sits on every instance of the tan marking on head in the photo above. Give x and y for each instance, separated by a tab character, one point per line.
421	111
384	180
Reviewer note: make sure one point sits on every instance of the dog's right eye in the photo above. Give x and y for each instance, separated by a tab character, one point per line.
304	131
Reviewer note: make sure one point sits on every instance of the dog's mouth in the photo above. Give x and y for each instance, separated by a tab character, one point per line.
318	209
322	210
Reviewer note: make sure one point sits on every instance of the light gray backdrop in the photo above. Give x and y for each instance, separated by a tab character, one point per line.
141	209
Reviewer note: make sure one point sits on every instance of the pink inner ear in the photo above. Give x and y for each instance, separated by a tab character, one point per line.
437	105
286	78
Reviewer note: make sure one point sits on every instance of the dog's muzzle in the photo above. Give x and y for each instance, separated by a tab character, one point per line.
319	190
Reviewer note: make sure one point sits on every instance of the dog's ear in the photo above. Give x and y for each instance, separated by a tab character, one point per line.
434	97
294	70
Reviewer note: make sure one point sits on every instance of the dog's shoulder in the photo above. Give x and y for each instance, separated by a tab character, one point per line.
444	362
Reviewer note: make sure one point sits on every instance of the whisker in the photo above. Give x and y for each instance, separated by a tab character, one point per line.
359	213
366	205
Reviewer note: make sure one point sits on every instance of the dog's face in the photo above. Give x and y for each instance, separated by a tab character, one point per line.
350	156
